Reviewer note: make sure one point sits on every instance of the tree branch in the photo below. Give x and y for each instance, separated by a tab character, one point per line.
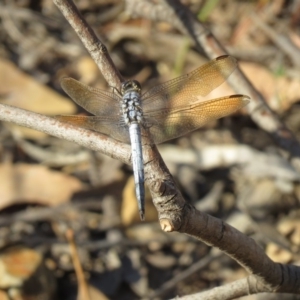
89	139
175	213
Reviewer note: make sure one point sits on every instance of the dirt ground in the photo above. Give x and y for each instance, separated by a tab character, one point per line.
69	221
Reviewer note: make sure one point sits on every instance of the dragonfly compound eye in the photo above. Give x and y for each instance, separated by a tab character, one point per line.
130	85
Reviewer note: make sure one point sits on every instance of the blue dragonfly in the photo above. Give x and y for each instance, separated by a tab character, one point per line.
168	110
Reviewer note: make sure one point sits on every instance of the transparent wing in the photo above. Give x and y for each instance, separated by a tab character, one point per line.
168	124
95	101
104	105
109	125
185	89
170	109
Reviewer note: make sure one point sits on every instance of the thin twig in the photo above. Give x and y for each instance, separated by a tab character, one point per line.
92	43
83	292
89	139
232	290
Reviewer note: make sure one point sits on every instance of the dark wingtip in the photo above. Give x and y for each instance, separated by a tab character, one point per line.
245	97
222	57
237	95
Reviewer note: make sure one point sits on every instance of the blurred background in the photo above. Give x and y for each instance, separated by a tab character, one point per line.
230	168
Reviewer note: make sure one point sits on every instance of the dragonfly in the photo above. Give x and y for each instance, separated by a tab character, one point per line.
168	110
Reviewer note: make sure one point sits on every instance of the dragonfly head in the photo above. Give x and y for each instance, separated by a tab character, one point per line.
130	86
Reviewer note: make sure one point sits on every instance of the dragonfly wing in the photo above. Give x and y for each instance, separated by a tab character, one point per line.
186	88
171	123
110	126
93	100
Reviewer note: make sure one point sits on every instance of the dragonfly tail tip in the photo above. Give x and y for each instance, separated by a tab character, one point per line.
142	215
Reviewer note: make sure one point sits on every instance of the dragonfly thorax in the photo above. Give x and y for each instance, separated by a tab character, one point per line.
131	108
131	105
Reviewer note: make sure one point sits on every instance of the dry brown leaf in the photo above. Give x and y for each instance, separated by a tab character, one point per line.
87	70
291	227
17	265
129	209
23	272
34	183
278	254
152	233
3	295
279	92
21	90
